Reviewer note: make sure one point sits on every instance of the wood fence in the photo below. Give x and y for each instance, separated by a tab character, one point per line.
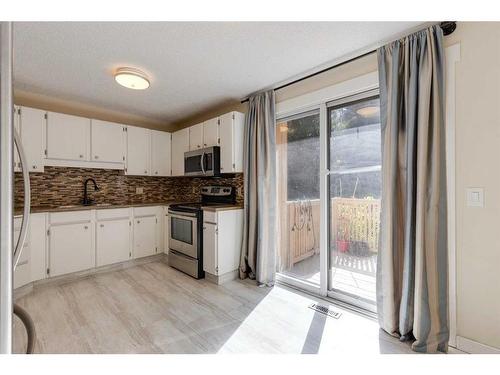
356	221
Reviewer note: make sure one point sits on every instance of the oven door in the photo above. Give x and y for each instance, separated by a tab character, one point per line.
183	235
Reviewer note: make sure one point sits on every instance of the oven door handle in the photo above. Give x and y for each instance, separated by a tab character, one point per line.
182	215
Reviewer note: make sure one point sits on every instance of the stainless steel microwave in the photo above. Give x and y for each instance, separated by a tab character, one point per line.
202	162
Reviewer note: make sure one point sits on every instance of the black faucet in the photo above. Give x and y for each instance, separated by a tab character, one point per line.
86	200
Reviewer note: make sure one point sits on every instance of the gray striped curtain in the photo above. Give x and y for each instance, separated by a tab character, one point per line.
258	253
412	274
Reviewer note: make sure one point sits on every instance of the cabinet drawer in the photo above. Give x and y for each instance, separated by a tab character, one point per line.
145	211
210	216
69	217
115	213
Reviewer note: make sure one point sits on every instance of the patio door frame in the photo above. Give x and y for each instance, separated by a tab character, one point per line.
320	100
325	205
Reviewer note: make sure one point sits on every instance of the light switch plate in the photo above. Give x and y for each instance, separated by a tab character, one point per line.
475	197
139	190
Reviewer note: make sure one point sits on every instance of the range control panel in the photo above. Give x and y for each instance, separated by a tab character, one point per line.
218	191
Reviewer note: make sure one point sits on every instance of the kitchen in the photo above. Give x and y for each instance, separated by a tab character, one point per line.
192	187
121	216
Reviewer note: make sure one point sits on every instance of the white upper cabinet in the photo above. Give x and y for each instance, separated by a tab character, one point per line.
108	142
161	153
196	137
68	137
211	132
180	144
138	151
231	142
33	130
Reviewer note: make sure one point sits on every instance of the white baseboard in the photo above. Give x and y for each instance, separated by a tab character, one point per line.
474	347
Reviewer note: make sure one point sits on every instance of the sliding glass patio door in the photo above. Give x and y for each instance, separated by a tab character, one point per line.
329	187
354	197
298	165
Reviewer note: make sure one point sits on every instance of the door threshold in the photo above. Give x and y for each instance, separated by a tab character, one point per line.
333	301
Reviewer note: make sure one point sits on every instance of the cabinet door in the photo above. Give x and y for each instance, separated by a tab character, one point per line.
196	137
144	236
113	242
33	129
211	132
38	233
161	152
210	248
138	151
226	130
70	248
68	137
17	127
108	142
180	145
22	273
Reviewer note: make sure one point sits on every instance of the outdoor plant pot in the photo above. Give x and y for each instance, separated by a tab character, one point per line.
343	246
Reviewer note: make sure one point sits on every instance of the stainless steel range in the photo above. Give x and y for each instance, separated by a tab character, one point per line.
186	229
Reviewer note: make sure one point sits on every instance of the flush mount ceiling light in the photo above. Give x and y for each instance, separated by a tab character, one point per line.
132	78
368	111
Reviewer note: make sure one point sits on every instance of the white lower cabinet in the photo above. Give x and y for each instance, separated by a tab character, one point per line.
70	248
32	264
66	242
222	236
145	241
22	274
112	241
38	241
210	248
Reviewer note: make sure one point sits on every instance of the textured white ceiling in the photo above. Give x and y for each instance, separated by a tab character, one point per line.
192	65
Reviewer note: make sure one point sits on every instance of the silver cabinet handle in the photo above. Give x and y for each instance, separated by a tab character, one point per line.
138	221
102	225
34	167
156	172
145	172
96	157
85	227
81	156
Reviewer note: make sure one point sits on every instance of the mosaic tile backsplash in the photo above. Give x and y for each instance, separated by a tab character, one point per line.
60	186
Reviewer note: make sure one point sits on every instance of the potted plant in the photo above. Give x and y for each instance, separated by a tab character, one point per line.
343	236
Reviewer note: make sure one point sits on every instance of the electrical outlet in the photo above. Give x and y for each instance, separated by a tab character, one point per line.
239	190
139	190
194	190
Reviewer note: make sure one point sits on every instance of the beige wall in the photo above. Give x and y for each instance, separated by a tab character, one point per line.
478	165
214	112
49	103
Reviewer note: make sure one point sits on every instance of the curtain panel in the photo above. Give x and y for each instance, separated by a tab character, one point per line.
412	273
258	253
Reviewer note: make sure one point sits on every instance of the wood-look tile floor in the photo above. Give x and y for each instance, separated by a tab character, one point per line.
152	308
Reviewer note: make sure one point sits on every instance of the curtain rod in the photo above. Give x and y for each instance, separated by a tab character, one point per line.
448	27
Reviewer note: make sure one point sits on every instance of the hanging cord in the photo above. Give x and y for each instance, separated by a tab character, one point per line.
30	327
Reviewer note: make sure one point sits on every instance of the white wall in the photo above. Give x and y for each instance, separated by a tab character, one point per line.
478	165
